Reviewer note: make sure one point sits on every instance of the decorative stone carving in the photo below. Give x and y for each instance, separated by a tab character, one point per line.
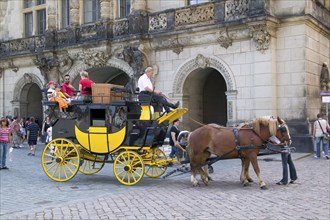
236	9
46	66
132	56
93	59
202	61
27	78
177	47
224	40
65	63
120	28
194	14
324	78
260	36
192	65
158	22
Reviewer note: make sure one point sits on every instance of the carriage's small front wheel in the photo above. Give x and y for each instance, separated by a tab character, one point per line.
128	167
155	163
60	159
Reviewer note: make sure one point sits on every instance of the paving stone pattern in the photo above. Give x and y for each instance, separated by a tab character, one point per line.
27	193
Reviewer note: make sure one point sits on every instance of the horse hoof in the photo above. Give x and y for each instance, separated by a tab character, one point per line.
263	187
246	184
250	180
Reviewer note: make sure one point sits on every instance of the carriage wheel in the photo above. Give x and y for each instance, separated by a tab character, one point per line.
92	165
128	167
60	159
157	167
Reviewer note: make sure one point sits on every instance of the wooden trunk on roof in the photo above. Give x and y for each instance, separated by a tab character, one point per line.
102	93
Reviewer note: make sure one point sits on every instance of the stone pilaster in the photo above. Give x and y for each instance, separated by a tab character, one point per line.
51	15
106	9
74	12
138	6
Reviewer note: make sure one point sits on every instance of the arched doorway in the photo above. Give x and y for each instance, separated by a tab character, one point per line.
104	75
204	94
31	102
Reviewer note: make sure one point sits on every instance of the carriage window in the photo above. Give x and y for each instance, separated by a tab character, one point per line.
97	117
120	117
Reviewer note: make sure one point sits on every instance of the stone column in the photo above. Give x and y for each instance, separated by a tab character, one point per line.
74	12
51	15
231	106
106	9
138	6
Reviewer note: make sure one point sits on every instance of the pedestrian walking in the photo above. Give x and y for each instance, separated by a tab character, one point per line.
175	145
32	136
15	128
320	135
44	128
5	139
22	132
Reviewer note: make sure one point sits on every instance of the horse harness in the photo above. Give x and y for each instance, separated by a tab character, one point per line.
238	146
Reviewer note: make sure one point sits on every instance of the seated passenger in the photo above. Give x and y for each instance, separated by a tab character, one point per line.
56	96
146	87
67	88
85	87
120	118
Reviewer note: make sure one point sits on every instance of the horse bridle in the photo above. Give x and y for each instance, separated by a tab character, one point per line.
283	128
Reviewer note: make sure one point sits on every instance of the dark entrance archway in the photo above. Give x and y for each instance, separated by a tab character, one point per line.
105	75
30	104
204	91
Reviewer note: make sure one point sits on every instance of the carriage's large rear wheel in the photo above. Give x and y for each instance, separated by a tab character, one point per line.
60	159
155	163
128	167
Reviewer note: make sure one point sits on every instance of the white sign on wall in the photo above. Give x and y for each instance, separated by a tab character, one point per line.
325	99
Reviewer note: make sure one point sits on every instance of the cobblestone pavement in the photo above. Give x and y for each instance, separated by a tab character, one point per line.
27	193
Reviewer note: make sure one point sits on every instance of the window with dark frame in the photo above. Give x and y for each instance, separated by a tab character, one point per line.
28	24
28	3
92	10
124	8
41	21
65	13
41	2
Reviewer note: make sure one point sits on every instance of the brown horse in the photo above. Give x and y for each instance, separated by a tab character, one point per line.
244	141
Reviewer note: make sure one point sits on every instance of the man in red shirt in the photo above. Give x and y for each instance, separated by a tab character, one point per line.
66	88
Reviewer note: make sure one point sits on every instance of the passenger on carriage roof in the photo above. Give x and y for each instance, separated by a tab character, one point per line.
85	86
67	88
146	87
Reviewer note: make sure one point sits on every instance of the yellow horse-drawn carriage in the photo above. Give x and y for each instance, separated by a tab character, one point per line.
126	133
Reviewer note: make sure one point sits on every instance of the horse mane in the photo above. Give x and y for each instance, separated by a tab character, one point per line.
269	121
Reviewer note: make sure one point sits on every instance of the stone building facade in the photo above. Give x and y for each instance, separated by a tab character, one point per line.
227	61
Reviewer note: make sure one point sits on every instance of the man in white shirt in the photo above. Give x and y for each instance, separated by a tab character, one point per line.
146	87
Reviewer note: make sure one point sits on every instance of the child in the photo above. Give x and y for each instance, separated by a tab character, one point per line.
55	94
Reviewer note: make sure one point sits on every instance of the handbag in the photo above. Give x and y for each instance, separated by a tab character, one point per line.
325	134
